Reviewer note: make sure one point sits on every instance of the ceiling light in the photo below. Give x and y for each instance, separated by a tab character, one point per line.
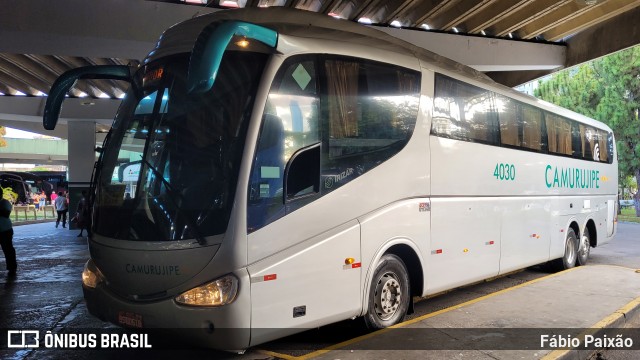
40	93
455	30
396	23
20	93
335	15
268	3
121	96
365	20
104	96
425	26
233	3
510	35
203	2
82	94
483	33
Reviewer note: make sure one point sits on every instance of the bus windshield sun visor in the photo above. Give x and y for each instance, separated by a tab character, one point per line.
66	81
211	44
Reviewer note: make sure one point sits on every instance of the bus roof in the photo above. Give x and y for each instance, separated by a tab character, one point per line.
181	38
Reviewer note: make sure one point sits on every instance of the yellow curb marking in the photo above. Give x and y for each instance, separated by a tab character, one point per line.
602	324
275	354
423	317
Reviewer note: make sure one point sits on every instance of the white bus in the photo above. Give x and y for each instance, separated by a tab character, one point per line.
294	170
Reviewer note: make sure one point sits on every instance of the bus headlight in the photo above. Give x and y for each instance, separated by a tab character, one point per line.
216	293
91	275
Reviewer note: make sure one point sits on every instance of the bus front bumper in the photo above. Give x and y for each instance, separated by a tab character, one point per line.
223	328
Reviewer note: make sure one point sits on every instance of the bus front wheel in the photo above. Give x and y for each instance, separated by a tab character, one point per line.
388	294
584	248
570	252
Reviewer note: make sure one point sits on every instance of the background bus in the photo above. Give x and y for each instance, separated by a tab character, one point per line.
25	185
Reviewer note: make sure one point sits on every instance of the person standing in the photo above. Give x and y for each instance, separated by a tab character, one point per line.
62	208
43	200
6	236
82	214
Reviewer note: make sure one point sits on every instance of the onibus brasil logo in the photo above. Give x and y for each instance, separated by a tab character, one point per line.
25	339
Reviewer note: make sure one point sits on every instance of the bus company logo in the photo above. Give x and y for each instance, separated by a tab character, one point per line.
328	182
333	179
23	339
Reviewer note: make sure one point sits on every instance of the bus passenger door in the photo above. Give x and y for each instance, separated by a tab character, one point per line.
304	272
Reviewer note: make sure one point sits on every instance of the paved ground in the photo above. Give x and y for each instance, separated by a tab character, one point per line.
47	295
624	250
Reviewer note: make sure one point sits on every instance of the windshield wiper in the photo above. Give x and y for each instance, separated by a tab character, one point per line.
172	193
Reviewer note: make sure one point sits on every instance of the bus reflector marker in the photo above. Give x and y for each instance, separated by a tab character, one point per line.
269	277
351	266
490	242
439	251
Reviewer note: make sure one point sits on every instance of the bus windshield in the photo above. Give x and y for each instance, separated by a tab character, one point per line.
170	165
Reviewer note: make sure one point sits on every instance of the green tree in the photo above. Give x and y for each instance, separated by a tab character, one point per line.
3	132
608	90
629	187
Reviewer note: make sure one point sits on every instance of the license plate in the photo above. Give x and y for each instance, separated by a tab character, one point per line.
129	319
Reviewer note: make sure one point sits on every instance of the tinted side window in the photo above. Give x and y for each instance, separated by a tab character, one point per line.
464	112
510	121
521	125
558	134
469	113
532	128
597	145
369	113
289	123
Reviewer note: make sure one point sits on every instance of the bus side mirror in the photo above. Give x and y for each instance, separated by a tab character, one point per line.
66	81
302	174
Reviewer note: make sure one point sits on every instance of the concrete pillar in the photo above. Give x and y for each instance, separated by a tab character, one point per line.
82	156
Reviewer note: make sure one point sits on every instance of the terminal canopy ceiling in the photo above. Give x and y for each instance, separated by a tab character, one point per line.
542	21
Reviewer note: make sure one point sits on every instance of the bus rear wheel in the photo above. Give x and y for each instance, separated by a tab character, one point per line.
388	294
584	248
570	252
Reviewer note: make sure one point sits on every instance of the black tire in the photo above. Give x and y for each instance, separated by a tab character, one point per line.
584	248
389	293
568	260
